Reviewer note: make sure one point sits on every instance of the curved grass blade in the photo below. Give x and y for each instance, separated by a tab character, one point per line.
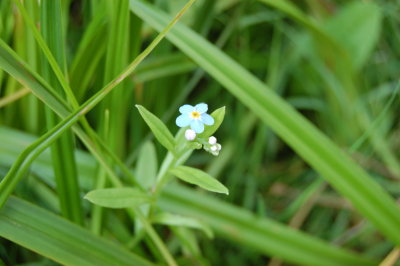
58	239
310	143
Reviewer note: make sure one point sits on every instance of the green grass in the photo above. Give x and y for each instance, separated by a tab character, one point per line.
310	136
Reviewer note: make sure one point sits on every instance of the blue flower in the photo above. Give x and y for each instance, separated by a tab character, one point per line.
195	116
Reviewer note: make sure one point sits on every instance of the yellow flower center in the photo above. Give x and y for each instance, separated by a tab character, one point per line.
195	114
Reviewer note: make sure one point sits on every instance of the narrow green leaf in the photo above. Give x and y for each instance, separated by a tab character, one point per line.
56	238
118	197
179	220
218	116
199	178
159	129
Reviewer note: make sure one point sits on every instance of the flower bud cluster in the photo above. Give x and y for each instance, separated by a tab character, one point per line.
210	146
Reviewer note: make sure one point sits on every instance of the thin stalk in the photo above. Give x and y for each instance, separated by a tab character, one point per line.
101	179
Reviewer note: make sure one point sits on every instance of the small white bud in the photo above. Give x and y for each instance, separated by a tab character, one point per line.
212	140
214	148
190	134
219	147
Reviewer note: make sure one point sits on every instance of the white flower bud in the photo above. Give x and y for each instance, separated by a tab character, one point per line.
219	147
214	148
212	140
190	134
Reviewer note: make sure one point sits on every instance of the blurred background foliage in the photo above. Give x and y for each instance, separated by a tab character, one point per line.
334	61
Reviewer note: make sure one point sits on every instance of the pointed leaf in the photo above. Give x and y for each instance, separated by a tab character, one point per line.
158	128
199	178
117	197
218	116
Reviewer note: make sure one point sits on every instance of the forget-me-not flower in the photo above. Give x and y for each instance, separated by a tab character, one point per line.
195	116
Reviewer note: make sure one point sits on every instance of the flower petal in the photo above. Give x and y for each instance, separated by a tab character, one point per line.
207	119
197	126
184	109
183	120
201	108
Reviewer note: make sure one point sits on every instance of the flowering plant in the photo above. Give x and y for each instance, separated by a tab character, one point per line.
196	117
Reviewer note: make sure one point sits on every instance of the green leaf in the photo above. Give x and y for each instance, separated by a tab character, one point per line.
146	169
159	129
56	238
179	220
199	178
218	116
118	197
